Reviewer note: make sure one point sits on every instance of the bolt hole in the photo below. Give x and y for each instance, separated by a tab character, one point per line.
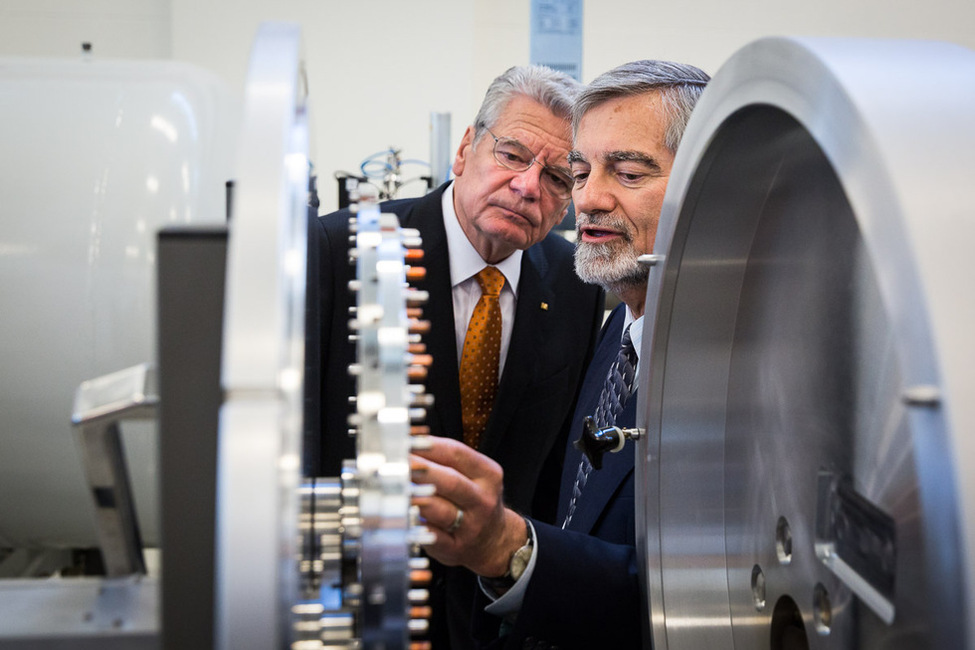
822	609
788	631
783	541
758	587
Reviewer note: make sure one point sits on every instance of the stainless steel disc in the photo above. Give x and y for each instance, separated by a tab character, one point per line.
805	480
263	355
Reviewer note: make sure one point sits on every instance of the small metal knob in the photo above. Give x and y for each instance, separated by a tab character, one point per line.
595	442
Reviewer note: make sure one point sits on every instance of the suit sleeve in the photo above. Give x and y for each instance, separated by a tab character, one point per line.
584	593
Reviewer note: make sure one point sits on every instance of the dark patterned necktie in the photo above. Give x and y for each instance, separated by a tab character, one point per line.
616	390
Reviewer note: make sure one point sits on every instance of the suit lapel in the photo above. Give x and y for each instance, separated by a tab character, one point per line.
602	483
427	217
606	351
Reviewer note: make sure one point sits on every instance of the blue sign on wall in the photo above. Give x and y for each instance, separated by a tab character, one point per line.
556	36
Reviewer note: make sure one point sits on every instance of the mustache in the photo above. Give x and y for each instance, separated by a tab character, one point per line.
607	221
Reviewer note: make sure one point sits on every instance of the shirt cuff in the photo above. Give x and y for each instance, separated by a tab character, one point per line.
510	602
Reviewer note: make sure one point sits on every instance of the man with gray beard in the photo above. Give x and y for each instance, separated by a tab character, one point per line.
576	585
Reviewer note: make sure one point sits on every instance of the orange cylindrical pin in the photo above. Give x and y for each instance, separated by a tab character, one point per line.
421	576
419	326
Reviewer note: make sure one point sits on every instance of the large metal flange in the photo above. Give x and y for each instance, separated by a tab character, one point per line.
259	481
805	476
375	569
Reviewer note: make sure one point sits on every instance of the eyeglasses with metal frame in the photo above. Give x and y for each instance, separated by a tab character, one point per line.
518	158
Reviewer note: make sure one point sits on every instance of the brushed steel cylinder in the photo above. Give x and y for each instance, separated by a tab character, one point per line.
809	402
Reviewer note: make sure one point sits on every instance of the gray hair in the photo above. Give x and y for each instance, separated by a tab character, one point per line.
680	85
554	90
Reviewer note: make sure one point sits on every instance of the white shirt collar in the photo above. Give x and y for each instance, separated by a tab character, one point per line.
465	261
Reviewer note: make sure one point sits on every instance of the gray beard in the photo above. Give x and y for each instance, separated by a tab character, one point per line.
613	266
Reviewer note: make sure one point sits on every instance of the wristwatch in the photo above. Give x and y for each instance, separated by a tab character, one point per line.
516	565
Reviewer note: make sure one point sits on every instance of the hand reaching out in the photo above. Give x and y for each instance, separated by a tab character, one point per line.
486	533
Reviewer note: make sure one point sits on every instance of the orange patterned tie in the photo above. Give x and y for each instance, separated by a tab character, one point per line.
482	352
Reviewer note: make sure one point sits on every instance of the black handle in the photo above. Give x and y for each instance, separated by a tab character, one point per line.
595	442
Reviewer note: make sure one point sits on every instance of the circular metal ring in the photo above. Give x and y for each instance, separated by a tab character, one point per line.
824	379
458	520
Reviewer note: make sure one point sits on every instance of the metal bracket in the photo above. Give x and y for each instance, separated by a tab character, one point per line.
100	405
857	541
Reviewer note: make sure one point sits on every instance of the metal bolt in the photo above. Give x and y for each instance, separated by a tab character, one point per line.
922	395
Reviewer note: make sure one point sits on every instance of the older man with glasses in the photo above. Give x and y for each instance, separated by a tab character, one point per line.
512	326
576	584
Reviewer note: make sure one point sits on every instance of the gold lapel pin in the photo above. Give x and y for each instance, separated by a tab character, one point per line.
544	306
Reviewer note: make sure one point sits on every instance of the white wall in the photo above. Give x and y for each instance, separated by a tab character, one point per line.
137	29
377	68
706	32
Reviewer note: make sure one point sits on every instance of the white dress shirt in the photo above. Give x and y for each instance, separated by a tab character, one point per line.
465	263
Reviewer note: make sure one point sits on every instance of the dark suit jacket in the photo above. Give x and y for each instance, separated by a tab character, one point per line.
557	319
584	591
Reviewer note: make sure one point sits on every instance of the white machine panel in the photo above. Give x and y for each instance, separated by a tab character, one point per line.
97	156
